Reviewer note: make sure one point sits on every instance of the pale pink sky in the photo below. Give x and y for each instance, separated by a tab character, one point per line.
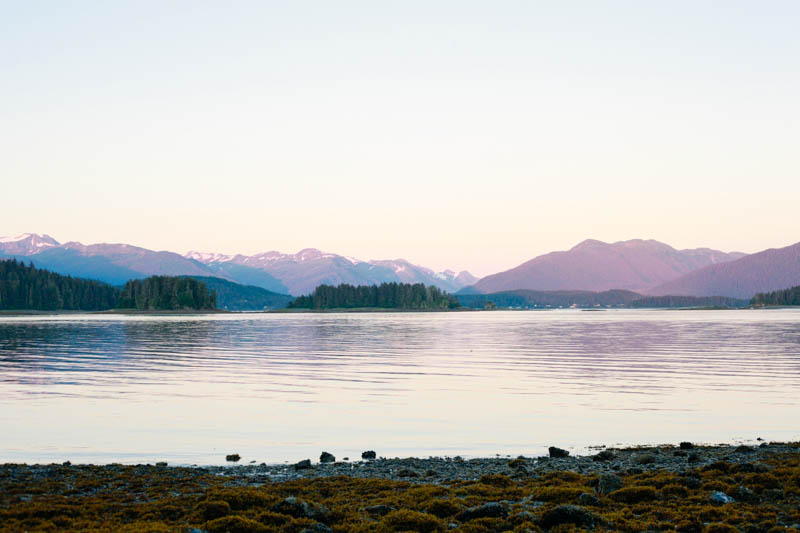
455	135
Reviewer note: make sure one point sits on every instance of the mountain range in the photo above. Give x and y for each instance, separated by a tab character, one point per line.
294	274
592	265
647	267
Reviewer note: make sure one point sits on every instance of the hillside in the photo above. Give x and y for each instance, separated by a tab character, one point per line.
597	266
235	297
770	270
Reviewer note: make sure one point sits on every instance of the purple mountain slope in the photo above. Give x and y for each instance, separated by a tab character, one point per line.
598	266
770	270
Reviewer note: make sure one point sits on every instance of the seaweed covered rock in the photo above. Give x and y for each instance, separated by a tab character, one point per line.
407	520
608	483
631	495
233	458
368	455
568	514
298	508
235	524
213	509
487	510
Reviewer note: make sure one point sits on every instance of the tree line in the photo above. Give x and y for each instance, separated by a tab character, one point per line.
784	297
385	296
25	287
166	292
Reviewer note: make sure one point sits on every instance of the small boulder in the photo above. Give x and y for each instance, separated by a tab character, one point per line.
298	508
568	514
720	498
487	510
686	445
557	453
161	464
605	455
644	459
301	465
326	457
378	510
233	458
744	449
369	455
608	483
692	482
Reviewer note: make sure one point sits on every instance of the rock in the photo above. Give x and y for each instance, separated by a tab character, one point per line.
369	455
305	463
720	498
605	455
487	510
557	453
66	463
744	449
744	494
161	464
326	457
588	499
692	482
608	483
301	509
317	528
644	459
568	514
686	445
378	510
762	445
233	458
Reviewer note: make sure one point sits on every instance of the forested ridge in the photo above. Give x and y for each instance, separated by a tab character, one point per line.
384	296
25	287
789	296
167	293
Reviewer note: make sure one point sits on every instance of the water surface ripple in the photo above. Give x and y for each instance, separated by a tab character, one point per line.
278	387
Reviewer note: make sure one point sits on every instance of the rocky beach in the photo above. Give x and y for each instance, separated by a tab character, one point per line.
681	487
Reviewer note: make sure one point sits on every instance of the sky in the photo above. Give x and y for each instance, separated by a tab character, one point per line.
454	134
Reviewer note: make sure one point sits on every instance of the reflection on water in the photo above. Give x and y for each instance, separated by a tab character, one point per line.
284	387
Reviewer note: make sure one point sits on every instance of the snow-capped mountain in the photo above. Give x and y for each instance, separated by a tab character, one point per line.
26	244
294	274
300	273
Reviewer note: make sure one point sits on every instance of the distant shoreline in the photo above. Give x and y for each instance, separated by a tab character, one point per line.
166	312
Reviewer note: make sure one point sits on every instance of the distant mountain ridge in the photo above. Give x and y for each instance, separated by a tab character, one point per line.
770	270
302	272
594	265
277	272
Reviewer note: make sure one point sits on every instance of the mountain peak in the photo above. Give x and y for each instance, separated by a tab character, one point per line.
26	243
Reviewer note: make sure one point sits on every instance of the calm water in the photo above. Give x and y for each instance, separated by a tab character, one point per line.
285	387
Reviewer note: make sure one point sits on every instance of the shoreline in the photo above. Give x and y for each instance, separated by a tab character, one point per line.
716	489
